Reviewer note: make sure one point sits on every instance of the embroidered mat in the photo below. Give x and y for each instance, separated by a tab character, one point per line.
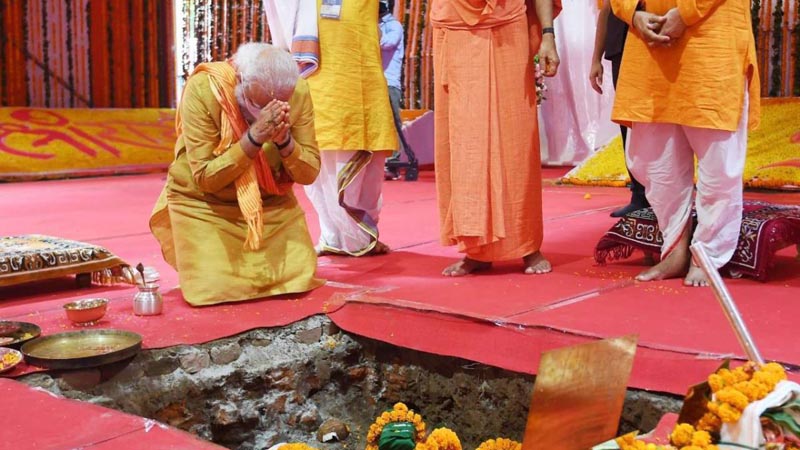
35	257
766	228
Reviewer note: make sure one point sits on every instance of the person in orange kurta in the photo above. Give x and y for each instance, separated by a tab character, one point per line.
689	86
488	174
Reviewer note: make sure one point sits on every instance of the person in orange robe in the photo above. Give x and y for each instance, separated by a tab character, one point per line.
488	174
689	85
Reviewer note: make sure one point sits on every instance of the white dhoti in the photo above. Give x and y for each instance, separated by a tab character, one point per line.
662	156
347	198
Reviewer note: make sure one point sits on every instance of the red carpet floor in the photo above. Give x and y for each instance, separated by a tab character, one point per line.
501	317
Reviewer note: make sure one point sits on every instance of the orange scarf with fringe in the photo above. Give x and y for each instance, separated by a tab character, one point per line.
222	77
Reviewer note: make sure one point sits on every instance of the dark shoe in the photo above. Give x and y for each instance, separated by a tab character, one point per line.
625	210
389	174
412	172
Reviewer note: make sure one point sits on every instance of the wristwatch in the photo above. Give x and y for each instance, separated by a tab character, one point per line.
550	30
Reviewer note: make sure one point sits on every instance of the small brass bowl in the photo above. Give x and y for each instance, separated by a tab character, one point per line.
86	312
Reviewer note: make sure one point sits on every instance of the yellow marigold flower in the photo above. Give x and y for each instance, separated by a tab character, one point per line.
296	446
626	438
709	422
444	439
716	382
701	439
775	368
742	373
733	397
500	444
682	434
727	376
729	414
769	379
400	406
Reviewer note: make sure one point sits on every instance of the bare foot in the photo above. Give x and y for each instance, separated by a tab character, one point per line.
379	249
465	267
673	266
536	264
696	277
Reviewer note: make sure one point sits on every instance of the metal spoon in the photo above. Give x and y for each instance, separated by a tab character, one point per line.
140	268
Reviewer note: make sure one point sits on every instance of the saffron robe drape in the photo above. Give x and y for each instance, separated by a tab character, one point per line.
488	173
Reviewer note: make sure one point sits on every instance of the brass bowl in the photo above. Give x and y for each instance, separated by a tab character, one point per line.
81	349
86	312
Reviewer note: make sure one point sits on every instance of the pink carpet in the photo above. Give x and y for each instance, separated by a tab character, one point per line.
502	318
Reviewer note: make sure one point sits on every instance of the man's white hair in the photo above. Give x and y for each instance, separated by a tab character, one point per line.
265	69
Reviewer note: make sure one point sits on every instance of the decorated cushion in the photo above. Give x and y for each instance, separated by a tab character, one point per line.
35	257
766	228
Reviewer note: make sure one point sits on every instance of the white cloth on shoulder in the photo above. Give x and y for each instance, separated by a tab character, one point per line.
293	27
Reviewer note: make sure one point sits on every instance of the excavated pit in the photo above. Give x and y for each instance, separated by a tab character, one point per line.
266	386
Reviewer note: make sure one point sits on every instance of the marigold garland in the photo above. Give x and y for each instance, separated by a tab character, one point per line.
733	390
399	413
500	444
683	437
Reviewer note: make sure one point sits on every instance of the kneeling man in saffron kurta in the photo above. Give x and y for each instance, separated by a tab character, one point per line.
488	170
227	219
689	84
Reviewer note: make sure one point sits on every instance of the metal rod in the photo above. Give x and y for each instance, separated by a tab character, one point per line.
727	303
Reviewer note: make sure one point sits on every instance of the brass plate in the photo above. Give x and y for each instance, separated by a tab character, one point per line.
27	331
78	349
578	395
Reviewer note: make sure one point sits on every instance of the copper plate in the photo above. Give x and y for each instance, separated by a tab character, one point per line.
27	331
578	395
79	349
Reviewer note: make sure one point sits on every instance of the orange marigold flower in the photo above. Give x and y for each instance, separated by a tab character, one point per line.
444	439
729	414
709	422
733	397
701	439
716	382
682	434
